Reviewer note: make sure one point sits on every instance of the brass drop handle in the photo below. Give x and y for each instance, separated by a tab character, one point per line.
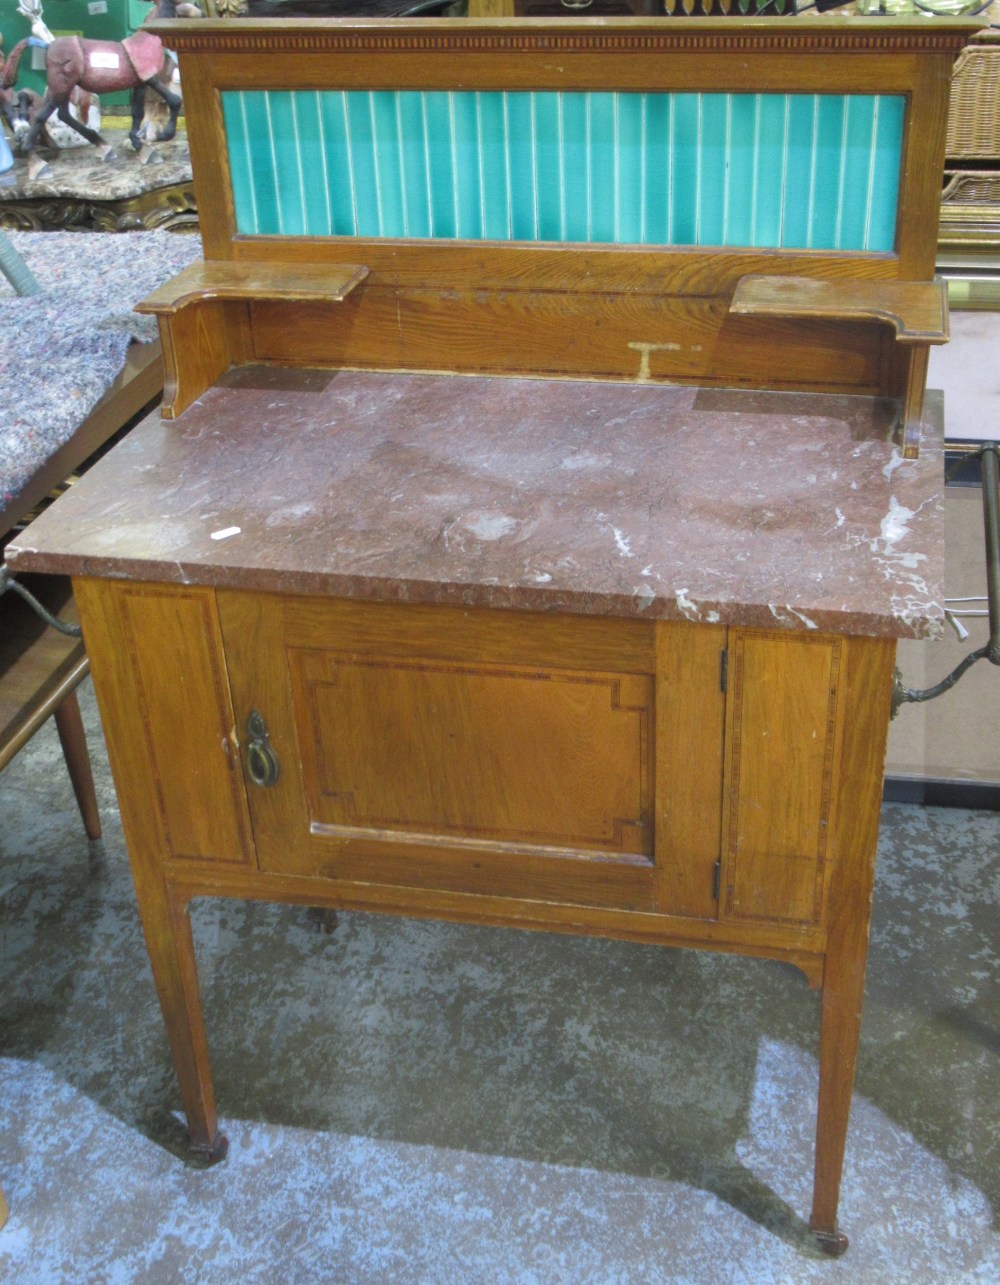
262	762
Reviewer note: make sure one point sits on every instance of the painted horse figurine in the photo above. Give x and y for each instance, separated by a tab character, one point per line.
98	66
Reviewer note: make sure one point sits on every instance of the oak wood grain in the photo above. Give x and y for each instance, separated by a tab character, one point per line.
802	946
698	271
917	311
855	809
443	753
635	337
200	343
462	634
279	281
165	920
783	722
690	726
167	665
556	759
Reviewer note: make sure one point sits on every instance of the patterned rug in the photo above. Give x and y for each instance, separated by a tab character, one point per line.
61	350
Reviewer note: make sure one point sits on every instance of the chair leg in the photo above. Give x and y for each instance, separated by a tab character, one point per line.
73	739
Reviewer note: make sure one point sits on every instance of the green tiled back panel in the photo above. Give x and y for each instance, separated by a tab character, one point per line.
796	171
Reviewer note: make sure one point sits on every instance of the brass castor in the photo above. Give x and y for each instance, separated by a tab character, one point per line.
833	1243
212	1152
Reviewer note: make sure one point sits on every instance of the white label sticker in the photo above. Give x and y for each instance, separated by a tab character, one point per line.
96	7
104	58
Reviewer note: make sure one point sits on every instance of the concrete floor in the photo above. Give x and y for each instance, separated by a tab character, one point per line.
416	1102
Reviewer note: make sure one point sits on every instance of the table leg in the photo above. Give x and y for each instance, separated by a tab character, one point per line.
167	925
854	835
840	1027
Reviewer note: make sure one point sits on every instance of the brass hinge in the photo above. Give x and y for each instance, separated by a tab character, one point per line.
724	670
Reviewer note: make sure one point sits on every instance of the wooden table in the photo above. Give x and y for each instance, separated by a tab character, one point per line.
576	636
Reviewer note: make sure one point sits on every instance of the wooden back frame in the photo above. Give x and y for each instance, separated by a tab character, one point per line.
644	313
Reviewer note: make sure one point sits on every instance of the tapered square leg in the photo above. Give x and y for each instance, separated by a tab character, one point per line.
167	926
840	1026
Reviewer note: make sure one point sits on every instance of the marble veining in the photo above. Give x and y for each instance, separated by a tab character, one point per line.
81	174
779	510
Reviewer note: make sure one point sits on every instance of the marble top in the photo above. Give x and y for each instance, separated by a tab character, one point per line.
78	173
780	510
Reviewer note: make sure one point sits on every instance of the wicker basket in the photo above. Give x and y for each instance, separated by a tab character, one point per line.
970	211
971	187
974	116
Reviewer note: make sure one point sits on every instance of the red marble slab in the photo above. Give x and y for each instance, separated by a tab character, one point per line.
782	510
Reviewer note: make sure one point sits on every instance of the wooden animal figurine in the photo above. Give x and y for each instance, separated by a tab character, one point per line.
97	66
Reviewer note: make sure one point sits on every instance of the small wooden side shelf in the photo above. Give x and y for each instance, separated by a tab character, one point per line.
917	311
206	309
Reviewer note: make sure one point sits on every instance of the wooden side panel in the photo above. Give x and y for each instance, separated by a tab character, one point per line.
167	709
782	745
690	735
556	758
200	343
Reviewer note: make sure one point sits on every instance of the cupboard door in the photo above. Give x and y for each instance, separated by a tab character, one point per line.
502	753
783	731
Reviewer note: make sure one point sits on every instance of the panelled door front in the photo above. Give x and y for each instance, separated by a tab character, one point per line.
501	753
